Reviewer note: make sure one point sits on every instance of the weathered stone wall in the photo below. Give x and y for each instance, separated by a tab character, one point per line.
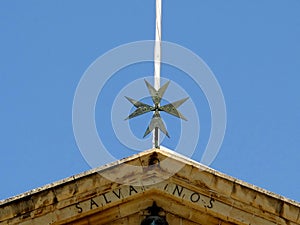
193	195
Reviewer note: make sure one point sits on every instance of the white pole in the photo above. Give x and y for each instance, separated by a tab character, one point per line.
157	61
157	50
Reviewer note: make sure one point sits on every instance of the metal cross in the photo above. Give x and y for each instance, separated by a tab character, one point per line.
156	121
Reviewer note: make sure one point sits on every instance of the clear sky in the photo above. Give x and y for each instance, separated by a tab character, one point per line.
252	47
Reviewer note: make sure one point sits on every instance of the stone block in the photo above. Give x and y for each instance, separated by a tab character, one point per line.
290	212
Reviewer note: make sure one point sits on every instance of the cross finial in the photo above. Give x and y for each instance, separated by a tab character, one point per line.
156	125
156	122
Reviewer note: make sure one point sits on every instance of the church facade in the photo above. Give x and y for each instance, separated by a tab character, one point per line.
158	187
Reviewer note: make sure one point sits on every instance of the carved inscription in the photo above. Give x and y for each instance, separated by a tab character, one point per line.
126	191
194	197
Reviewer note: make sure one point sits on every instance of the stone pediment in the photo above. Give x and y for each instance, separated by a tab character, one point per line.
121	192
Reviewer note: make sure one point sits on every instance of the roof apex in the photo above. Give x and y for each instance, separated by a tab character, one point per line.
177	178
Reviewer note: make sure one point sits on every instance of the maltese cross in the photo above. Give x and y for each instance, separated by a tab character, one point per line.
156	121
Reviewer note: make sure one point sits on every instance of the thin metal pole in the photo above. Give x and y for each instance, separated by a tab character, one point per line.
157	61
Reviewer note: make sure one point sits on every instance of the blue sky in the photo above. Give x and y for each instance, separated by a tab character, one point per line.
251	46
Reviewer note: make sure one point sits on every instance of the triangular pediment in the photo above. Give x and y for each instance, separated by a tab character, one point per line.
121	192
